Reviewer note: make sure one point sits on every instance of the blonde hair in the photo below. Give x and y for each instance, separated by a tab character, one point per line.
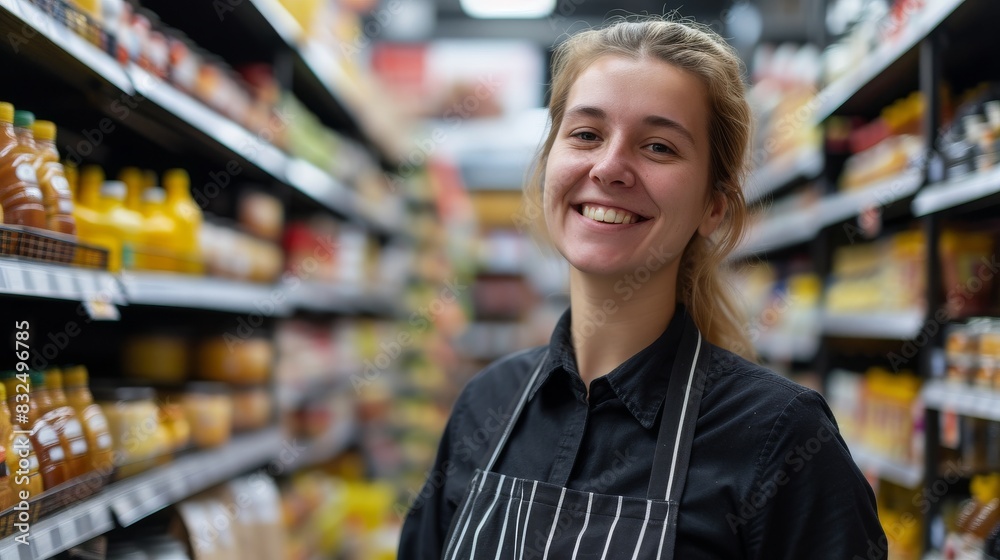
701	286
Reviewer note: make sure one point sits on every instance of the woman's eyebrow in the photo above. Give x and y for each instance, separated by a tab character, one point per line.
652	120
656	120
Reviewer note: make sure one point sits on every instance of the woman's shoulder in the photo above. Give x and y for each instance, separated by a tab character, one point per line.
498	383
753	396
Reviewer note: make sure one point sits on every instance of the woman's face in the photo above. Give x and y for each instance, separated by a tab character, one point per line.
627	179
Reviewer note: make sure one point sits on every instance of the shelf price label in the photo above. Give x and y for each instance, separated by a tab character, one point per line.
101	309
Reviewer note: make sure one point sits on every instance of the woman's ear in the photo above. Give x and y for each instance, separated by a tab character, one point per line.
714	214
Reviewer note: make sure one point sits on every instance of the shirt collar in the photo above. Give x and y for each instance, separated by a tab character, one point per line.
640	382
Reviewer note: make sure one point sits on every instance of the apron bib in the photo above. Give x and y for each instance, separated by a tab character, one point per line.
513	518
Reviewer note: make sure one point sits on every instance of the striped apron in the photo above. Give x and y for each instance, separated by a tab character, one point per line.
513	518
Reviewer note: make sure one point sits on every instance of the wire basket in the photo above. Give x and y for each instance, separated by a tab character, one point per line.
50	247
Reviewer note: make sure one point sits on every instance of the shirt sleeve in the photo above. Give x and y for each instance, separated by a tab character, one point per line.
431	511
809	500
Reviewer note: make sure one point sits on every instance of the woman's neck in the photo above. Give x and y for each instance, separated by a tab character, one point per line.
614	319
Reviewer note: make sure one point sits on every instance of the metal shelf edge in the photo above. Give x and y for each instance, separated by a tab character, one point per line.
908	476
838	92
184	477
973	402
955	192
891	325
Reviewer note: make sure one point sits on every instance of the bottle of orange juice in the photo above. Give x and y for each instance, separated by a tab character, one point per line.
188	217
95	425
18	447
20	196
161	232
51	177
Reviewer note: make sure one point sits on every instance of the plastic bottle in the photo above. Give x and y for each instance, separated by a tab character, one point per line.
188	217
18	447
95	425
160	233
63	421
20	195
114	227
91	226
74	434
133	179
7	493
44	439
38	138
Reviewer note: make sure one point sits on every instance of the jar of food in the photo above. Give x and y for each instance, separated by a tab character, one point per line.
134	424
246	362
251	408
173	416
209	409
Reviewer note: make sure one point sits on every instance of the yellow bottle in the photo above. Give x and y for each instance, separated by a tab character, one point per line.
20	196
95	425
90	226
27	479
160	233
124	225
133	179
72	180
188	217
91	8
40	137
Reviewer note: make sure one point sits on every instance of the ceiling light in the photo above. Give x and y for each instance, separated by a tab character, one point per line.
509	9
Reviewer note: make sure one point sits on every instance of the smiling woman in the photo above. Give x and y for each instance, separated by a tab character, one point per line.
639	431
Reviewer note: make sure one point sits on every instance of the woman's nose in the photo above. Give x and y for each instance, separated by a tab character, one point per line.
613	167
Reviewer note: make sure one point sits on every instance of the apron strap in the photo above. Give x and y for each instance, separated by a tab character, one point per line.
679	416
518	403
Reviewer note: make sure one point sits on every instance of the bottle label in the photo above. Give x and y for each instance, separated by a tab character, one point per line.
26	172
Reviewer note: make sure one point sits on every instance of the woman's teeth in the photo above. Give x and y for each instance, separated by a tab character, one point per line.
608	215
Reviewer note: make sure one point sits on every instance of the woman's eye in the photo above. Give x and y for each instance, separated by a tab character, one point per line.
660	148
586	136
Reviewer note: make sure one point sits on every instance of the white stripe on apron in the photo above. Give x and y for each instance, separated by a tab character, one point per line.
527	516
642	532
506	517
611	533
555	521
586	521
465	528
496	498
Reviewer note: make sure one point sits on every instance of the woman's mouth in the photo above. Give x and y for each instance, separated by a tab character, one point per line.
608	215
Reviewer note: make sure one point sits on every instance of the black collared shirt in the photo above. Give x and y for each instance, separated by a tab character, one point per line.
769	478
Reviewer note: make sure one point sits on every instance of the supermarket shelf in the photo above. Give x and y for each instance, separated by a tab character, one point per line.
780	232
175	290
870	463
974	402
137	497
955	192
325	73
804	163
891	325
224	131
839	207
324	297
836	94
794	228
788	348
323	448
87	54
22	278
313	182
